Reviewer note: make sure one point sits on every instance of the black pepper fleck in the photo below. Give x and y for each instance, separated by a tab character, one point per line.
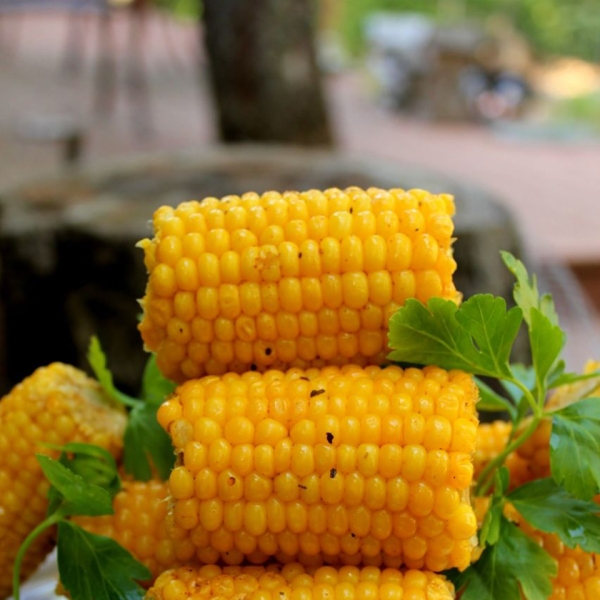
268	351
332	473
314	393
253	367
302	487
329	437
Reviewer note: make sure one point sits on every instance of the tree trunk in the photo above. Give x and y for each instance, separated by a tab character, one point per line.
264	71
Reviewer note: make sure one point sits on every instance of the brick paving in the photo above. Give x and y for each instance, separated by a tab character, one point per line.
552	188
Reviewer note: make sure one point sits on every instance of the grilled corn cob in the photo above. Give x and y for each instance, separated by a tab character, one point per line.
326	465
139	525
294	582
297	279
55	405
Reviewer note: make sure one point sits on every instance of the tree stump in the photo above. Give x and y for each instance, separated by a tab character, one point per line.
70	267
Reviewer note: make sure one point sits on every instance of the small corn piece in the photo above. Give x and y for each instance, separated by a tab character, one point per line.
578	571
290	280
294	582
56	405
139	524
333	465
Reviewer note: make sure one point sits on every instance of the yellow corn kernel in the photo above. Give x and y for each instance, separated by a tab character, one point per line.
294	582
365	252
139	524
56	405
314	455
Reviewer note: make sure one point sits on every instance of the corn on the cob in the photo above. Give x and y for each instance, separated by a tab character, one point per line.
55	405
297	279
294	582
139	524
336	464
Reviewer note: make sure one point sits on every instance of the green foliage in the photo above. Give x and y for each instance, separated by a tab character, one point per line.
84	481
182	9
147	445
514	563
553	27
550	508
478	337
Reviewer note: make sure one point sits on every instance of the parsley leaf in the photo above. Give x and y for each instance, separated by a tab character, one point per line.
147	446
155	386
491	401
547	341
71	494
476	337
490	529
550	508
593	379
95	464
575	447
513	564
525	291
94	566
97	360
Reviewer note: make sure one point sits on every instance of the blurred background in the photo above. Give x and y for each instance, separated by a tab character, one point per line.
109	109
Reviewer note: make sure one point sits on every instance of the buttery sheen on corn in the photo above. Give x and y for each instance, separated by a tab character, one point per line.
293	279
56	405
294	582
342	464
139	524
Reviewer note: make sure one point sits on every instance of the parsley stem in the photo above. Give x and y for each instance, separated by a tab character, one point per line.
533	403
486	479
48	522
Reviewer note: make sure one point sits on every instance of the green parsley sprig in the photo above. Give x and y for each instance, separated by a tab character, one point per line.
478	337
147	447
84	481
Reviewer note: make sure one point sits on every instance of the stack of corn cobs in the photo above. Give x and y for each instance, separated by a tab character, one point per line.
305	469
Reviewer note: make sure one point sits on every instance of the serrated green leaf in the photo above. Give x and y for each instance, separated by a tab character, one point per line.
526	375
491	401
492	328
575	448
97	360
94	566
513	564
550	508
547	341
526	292
70	494
147	445
475	337
155	386
95	464
490	528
